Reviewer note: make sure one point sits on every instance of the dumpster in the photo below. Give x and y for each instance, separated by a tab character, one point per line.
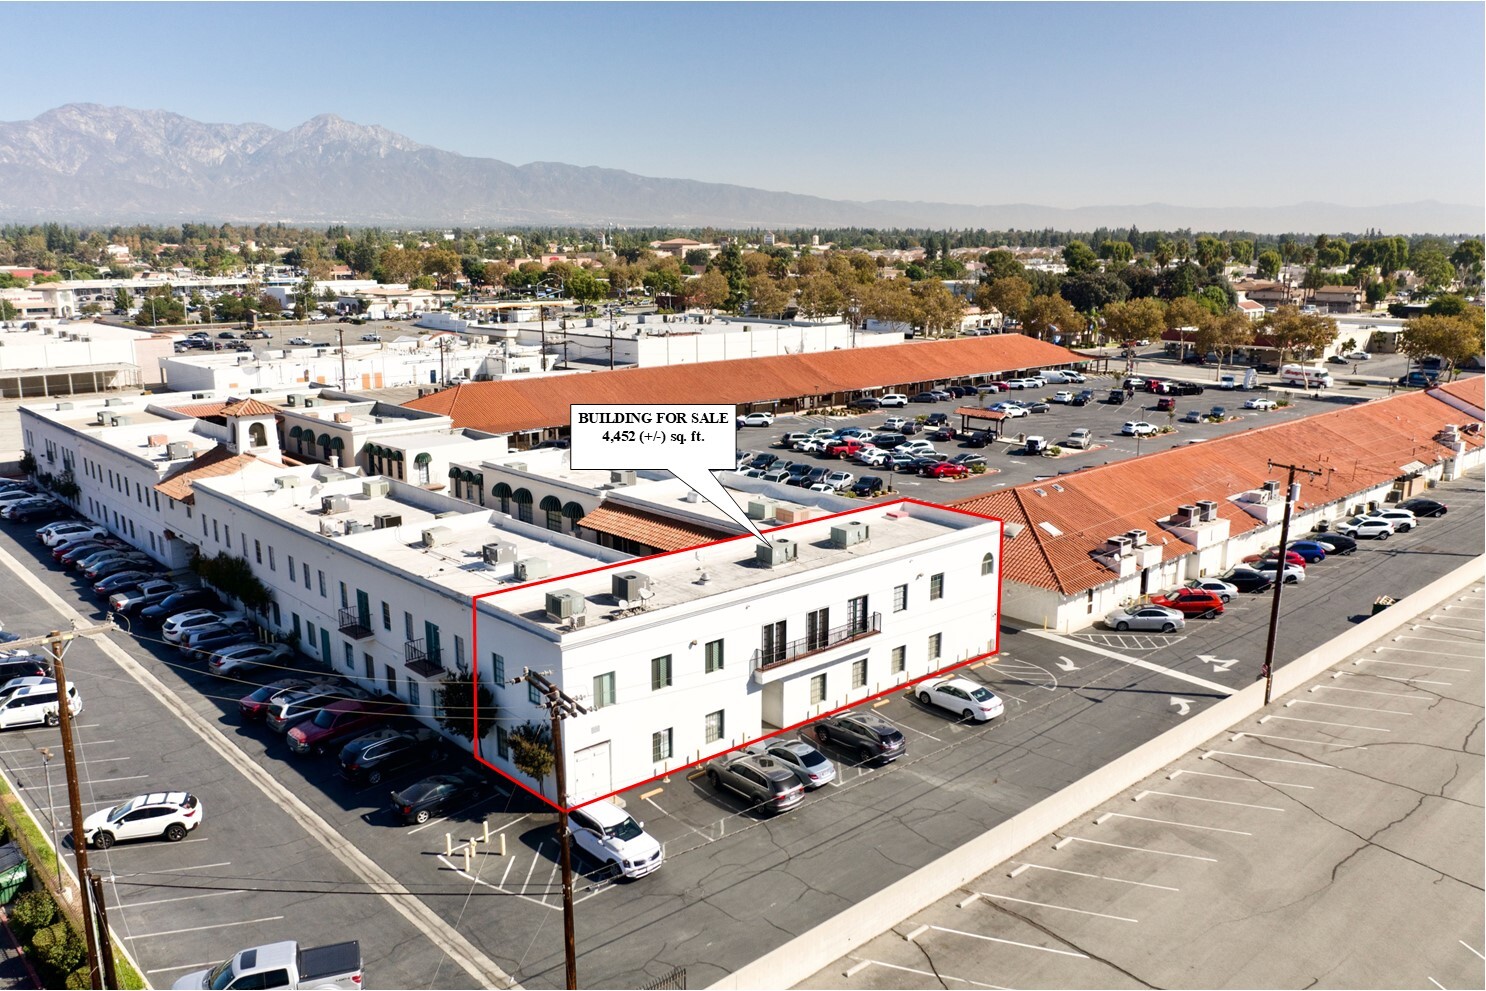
1382	602
14	871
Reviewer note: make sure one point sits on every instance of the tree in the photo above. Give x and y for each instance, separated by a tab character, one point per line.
461	700
1467	259
1045	315
1454	339
937	310
1268	265
1290	330
1242	251
696	258
766	298
123	300
730	263
1211	254
1000	264
585	287
531	750
1180	280
1009	295
709	291
1447	305
820	295
1118	252
7	310
1092	290
1079	257
1135	320
1432	268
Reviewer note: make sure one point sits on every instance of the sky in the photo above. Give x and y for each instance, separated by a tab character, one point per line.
1064	104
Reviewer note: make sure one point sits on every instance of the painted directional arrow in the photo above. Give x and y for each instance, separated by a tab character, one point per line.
1219	664
1184	705
1064	664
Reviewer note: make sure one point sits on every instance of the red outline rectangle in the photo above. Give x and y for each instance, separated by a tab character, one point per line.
630	562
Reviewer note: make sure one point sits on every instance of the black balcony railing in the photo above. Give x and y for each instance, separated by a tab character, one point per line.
821	640
420	660
356	625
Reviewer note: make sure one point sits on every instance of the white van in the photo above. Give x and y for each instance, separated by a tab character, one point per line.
1305	375
32	701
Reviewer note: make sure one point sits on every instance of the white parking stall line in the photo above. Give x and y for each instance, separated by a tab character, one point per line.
204	965
32	750
1223	690
864	963
1471	948
1359	708
1322	722
1464	619
1296	739
1437	984
1023	865
1236	777
1386	677
1011	942
1137	849
1168	822
79	763
1406	696
1277	760
197	929
182	898
1406	664
683	822
1215	801
1451	640
535	859
1060	908
173	870
1450	629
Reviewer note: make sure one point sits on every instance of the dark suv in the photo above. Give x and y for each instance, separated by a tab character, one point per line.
765	782
189	598
866	733
367	759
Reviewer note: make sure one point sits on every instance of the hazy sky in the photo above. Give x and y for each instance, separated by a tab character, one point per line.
1058	104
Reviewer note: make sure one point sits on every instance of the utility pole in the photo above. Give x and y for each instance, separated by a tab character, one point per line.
1292	493
110	971
560	706
340	340
611	338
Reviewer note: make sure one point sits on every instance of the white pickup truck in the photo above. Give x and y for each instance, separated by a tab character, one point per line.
283	965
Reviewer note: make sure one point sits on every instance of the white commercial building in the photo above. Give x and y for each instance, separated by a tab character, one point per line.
48	357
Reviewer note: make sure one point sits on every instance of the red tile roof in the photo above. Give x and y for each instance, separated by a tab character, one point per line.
200	410
248	407
651	529
215	463
1356	448
1472	390
510	406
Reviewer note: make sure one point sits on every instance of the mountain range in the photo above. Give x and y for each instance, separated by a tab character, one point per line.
86	163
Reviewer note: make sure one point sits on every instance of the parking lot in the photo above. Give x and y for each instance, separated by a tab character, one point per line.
735	882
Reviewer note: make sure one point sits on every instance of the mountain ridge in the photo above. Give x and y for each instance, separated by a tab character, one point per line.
87	162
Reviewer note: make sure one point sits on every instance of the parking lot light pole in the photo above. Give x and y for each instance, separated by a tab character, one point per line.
46	762
1292	493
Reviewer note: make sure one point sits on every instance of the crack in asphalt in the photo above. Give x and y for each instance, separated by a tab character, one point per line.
1049	933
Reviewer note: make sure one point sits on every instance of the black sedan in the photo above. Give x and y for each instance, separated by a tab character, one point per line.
1424	507
936	419
189	598
866	402
1339	543
420	802
867	487
1249	580
371	757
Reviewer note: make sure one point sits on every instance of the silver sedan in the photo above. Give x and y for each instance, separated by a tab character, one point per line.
1157	618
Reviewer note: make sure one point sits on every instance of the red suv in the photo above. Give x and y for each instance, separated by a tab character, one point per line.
336	723
1190	602
1165	404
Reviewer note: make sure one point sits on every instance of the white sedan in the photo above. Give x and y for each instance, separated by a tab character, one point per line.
246	656
756	420
1403	521
1260	404
1358	356
300	341
1137	428
1366	526
962	696
812	446
1294	573
1062	396
873	457
1012	410
1224	591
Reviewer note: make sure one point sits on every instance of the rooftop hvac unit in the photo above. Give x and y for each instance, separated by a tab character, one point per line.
156	440
118	421
776	552
292	400
353	527
1118	545
113	402
760	509
436	535
793	514
62	406
1137	537
287	481
565	603
100	418
309	401
256	391
692	495
177	450
626	585
1272	487
625	477
499	552
374	488
532	568
1187	513
386	521
516	465
332	504
343	418
849	534
334	475
1208	509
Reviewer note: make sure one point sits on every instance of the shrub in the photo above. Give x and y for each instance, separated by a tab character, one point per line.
1055	450
79	980
59	950
31	912
977	469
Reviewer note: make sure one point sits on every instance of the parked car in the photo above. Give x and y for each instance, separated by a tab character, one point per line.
226	335
963	697
1137	428
756	420
100	570
1366	526
256	704
1336	543
372	337
1260	404
123	580
1294	573
291	709
168	815
1309	550
421	801
369	758
1291	557
235	658
611	836
53	532
872	457
1248	579
969	460
1036	406
32	701
1009	409
30	509
868	487
1403	521
813	768
1418	380
1358	356
839	480
1082	398
846	447
177	605
1080	437
936	419
1421	507
865	402
67	553
1225	591
866	734
145	594
1194	416
1191	602
1166	404
894	399
285	964
1158	618
1061	397
765	783
207	640
924	397
22	664
947	469
299	341
178	624
336	723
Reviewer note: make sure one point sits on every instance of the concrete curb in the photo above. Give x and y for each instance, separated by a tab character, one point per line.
807	953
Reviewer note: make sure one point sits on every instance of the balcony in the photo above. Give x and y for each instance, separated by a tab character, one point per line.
418	659
794	650
356	625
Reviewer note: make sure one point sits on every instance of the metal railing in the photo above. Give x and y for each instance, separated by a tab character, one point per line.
822	640
420	660
354	624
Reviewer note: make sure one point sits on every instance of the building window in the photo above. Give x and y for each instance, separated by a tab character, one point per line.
389	675
817	689
321	576
988	564
369	665
936	586
859	673
1089	603
817	629
713	653
413	700
258	551
407	626
502	744
310	628
713	726
660	672
216	533
499	663
856	614
306	577
772	643
350	657
386	617
900	660
660	746
936	640
900	598
344	603
603	690
459	662
533	693
272	564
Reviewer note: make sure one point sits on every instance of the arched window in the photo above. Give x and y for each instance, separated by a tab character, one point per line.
420	469
523	505
552	506
478	481
257	435
573	512
502	491
325	445
988	564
